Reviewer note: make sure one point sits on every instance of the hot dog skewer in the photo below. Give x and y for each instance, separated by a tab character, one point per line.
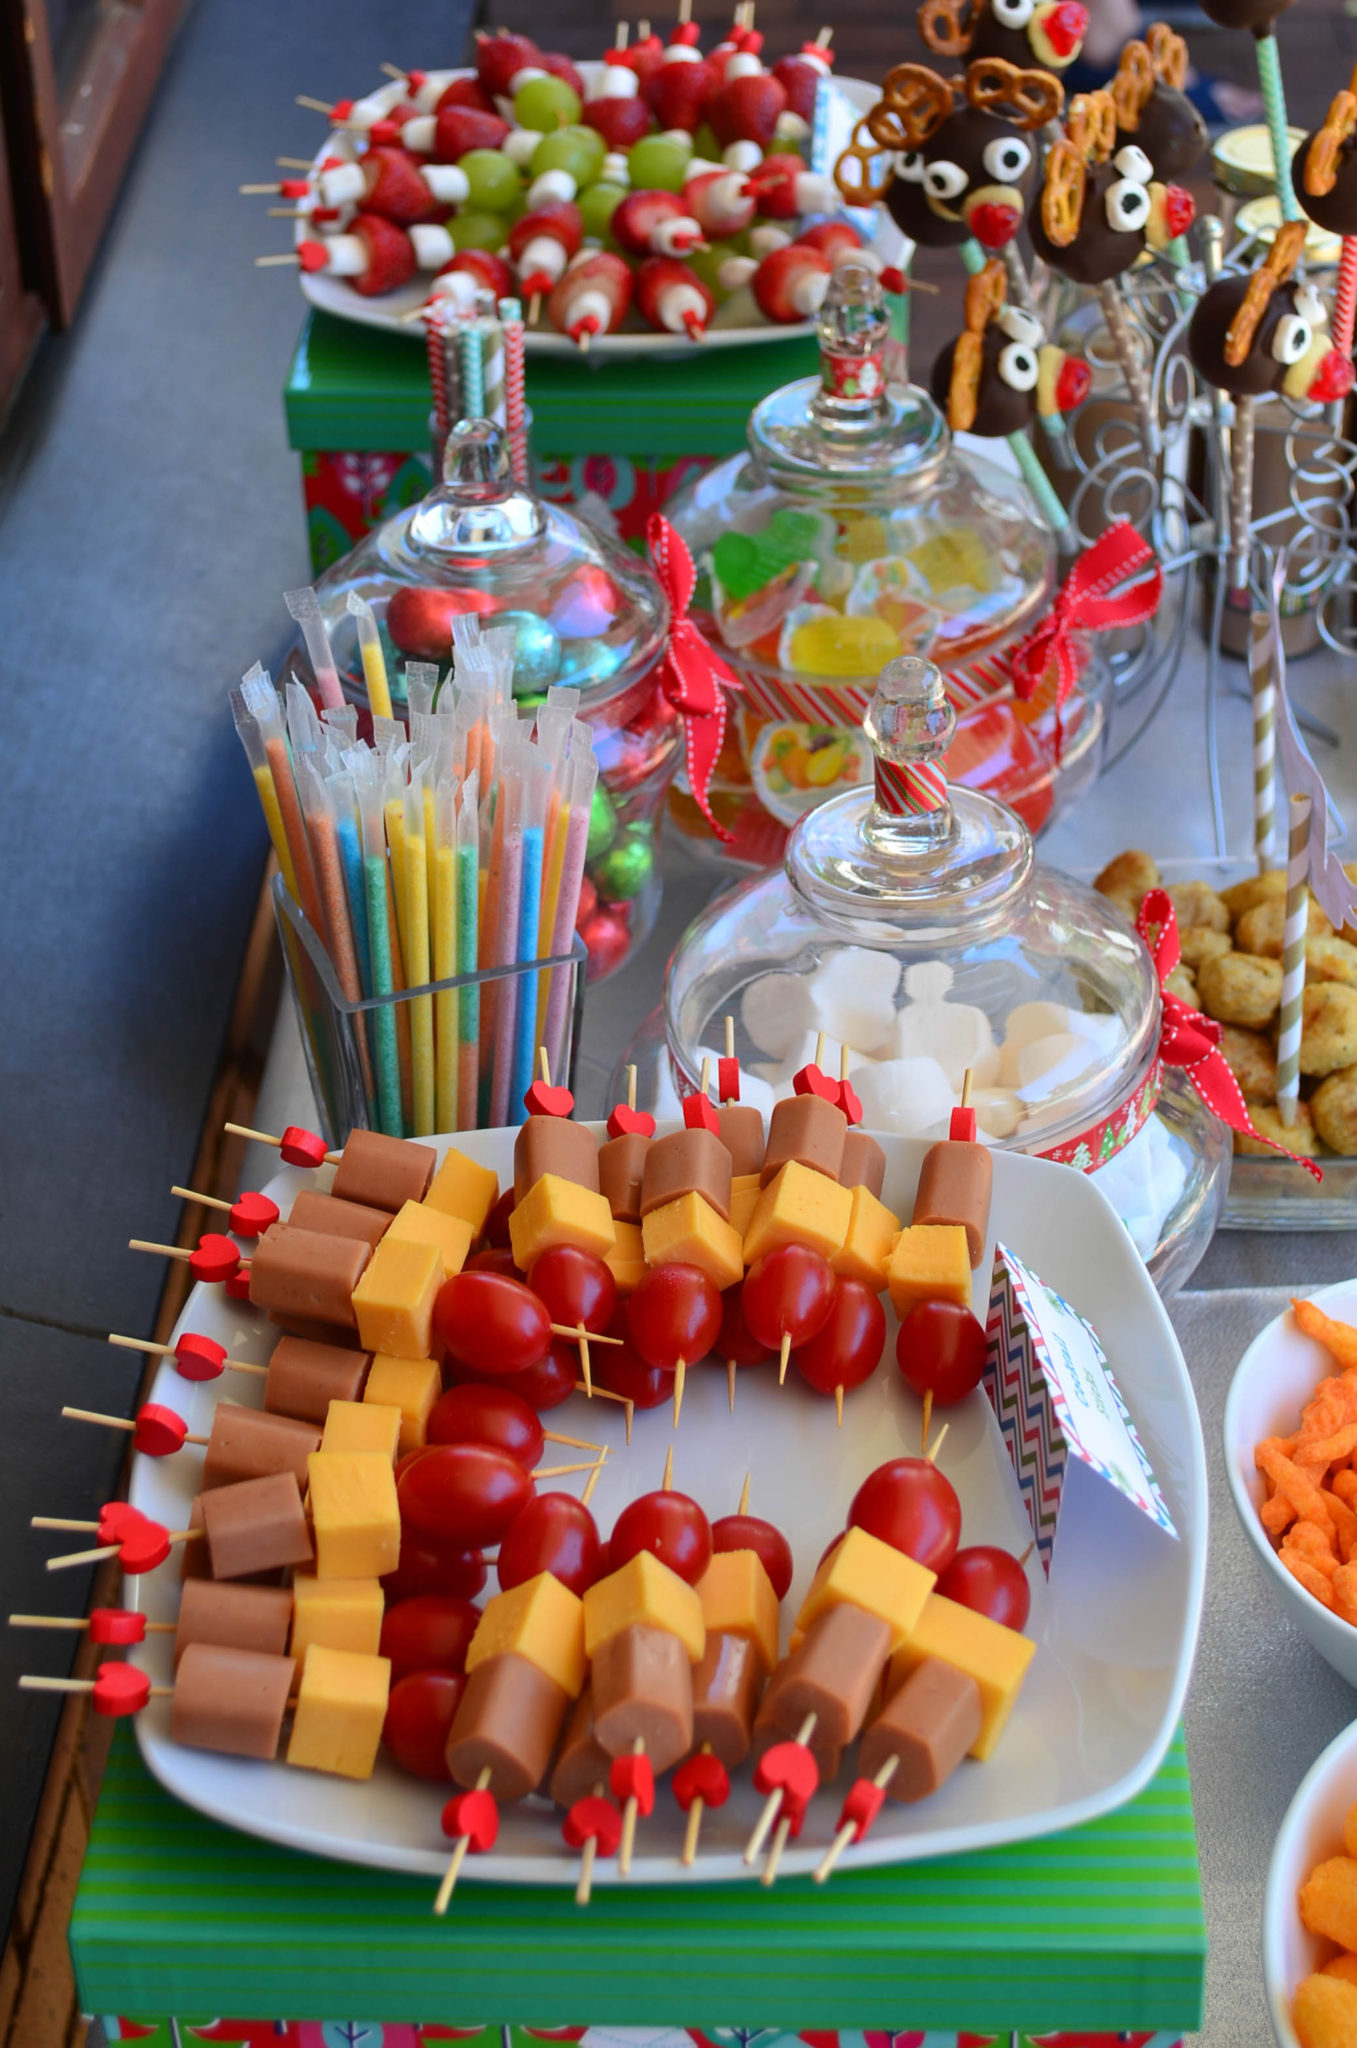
472	1819
111	1625
195	1357
856	1815
250	1213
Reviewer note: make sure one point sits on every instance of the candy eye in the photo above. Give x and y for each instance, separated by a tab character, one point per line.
1006	158
1292	339
944	180
1127	205
910	167
1020	326
1013	13
1133	164
1310	306
1018	366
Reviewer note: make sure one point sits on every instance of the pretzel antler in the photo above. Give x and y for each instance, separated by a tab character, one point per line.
947	26
1282	259
914	103
1091	126
1320	171
985	295
1168	55
1132	86
1029	98
1062	192
853	173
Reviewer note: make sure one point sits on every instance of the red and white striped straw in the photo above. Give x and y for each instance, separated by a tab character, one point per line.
435	326
515	406
1345	297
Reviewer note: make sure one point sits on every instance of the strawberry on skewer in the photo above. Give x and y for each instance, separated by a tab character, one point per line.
672	299
783	189
718	202
655	224
799	76
374	256
592	297
541	244
390	182
790	284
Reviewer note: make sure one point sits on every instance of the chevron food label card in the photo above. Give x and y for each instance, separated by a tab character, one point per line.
1055	1398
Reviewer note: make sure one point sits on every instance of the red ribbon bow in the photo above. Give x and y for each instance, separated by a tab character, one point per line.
1189	1040
692	674
1083	604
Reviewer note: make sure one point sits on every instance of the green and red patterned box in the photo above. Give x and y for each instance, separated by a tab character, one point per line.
372	2034
357	404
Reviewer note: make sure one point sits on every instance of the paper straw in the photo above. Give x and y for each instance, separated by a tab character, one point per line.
1345	296
446	1004
304	606
1132	365
1274	107
515	407
417	963
1264	692
580	796
370	651
494	400
251	739
383	980
473	375
1293	961
1241	492
468	954
435	335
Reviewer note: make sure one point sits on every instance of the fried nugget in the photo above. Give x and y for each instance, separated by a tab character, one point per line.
1260	930
1252	1061
1129	878
1298	1137
1241	988
1199	943
1331	960
1197	903
1328	1027
1334	1109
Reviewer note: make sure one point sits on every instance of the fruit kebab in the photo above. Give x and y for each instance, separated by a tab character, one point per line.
541	243
373	255
672	298
591	297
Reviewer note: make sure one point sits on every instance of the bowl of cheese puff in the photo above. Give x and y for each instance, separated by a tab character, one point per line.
1310	1907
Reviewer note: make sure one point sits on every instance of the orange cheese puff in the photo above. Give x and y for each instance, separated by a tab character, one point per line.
1297	1486
1305	1540
1340	1339
1350	1832
1333	1403
1277	1514
1343	1586
1317	1453
1344	1485
1306	1575
1328	1901
1344	1966
1324	2012
1345	1524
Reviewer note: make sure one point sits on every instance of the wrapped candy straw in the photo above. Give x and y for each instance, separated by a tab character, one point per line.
417	963
318	806
383	978
421	684
261	699
348	833
370	652
508	898
581	776
536	804
468	952
445	965
304	606
1293	961
394	806
247	729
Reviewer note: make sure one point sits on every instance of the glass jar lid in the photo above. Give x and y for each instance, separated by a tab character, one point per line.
914	928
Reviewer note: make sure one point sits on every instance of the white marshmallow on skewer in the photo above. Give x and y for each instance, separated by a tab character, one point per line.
853	990
912	1097
775	1010
956	1035
998	1111
1026	1021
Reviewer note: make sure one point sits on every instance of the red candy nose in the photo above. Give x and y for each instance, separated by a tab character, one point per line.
117	1626
1333	379
993	225
1066	27
159	1431
252	1214
120	1689
299	1147
1180	209
199	1358
312	256
215	1259
1073	384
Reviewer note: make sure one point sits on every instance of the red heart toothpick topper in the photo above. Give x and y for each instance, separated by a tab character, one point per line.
631	1777
120	1689
545	1099
299	1147
117	1626
699	1113
141	1550
702	1777
861	1806
850	1102
813	1080
251	1214
118	1518
728	1079
238	1283
626	1122
962	1129
159	1432
475	1815
216	1258
199	1358
788	1768
594	1819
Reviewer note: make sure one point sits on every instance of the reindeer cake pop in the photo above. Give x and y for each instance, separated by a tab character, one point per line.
960	160
1047	33
1100	205
1325	166
1257	16
1001	371
1258	331
1154	114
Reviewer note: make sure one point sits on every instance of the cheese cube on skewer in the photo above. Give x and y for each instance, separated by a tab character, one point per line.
421	1223
362	1426
994	1656
340	1614
341	1706
393	1302
462	1188
410	1384
354	1514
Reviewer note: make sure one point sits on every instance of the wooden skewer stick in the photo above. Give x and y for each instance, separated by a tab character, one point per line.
168	1351
74	1557
680	1381
631	1071
114	1422
560	1471
730	1036
694	1827
705	1083
268	1137
773	1802
932	1455
620	36
295	163
845	1054
584	1888
779	1843
629	1813
743	1508
165	1251
730	1382
783	1355
820	1050
850	1827
30	1683
927	1422
824	39
258	191
590	1483
966	1089
393	71
545	1064
534	309
277	262
606	1394
80	1621
458	1857
838	1407
313	106
203	1201
1028	1552
581	1335
576	1443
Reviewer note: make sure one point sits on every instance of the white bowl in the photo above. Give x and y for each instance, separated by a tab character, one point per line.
1273	1381
1312	1830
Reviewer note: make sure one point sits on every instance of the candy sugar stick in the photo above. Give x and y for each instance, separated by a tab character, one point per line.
1274	107
507	907
446	1004
1241	492
553	867
247	729
393	803
348	833
1034	476
329	864
262	700
370	651
468	954
1293	961
304	606
383	1019
582	770
417	961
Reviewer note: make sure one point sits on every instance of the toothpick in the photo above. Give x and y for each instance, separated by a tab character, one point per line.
838	1407
585	1884
313	106
743	1508
966	1089
590	1483
631	1087
123	1422
544	1064
534	308
1027	1553
730	1382
30	1683
783	1356
680	1381
774	1800
705	1082
576	1443
824	39
580	1335
585	1366
932	1456
843	1062
666	1484
560	1471
730	1037
819	1049
394	71
779	1843
294	163
81	1621
629	1812
927	1424
850	1827
453	1871
620	36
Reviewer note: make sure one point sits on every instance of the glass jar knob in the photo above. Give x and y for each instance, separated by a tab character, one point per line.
853	328
910	724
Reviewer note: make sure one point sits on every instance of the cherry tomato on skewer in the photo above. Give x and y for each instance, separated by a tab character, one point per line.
544	1385
487	1414
462	1493
554	1533
991	1582
430	1632
495	1325
668	1524
940	1348
737	1340
847	1347
674	1314
427	1566
622	1370
494	1259
418	1722
497	1222
787	1296
576	1287
912	1506
770	1546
